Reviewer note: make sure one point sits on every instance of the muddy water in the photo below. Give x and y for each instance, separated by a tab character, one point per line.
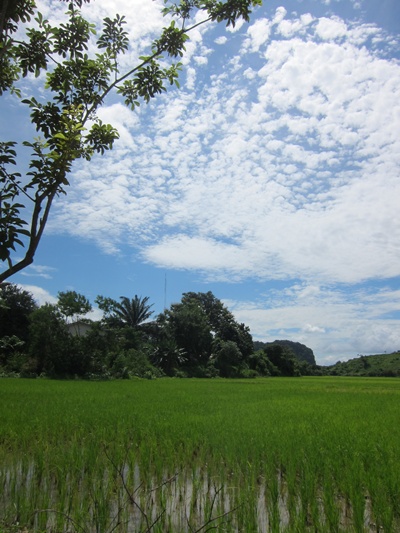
181	502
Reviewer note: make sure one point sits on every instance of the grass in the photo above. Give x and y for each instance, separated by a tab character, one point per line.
282	454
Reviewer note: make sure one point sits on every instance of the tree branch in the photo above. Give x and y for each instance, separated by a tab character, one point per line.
133	70
37	228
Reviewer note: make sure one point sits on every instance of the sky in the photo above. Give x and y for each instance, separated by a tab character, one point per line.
271	177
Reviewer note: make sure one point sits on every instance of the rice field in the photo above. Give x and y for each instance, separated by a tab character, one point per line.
263	455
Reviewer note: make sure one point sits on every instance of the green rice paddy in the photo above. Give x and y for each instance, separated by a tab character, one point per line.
274	455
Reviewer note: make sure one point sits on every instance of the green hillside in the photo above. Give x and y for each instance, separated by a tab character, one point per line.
385	365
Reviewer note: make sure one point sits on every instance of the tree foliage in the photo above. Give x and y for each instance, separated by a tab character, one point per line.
73	305
300	351
283	359
206	331
16	306
188	326
49	347
77	83
228	358
197	337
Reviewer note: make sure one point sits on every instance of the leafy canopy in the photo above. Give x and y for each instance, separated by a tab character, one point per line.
73	305
77	82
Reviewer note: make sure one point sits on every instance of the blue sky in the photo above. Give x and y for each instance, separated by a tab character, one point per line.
271	178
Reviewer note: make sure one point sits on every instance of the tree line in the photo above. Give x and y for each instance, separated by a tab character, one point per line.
197	337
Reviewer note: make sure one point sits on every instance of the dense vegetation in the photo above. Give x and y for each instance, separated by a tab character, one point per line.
198	337
265	455
302	352
380	365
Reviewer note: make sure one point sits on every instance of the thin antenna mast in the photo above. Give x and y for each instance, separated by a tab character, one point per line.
165	292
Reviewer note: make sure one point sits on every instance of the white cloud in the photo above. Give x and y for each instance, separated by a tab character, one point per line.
40	295
221	40
336	324
233	29
331	29
278	159
200	60
280	14
258	34
303	177
308	328
40	271
194	253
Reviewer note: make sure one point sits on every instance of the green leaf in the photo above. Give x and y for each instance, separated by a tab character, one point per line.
60	136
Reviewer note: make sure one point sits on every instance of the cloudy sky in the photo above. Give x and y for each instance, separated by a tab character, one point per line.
271	177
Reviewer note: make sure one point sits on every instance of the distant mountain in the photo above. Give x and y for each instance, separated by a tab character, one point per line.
301	351
380	365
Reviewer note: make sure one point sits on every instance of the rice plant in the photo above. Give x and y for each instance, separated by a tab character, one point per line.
263	455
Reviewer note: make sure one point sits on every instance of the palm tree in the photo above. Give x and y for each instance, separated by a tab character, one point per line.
133	312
